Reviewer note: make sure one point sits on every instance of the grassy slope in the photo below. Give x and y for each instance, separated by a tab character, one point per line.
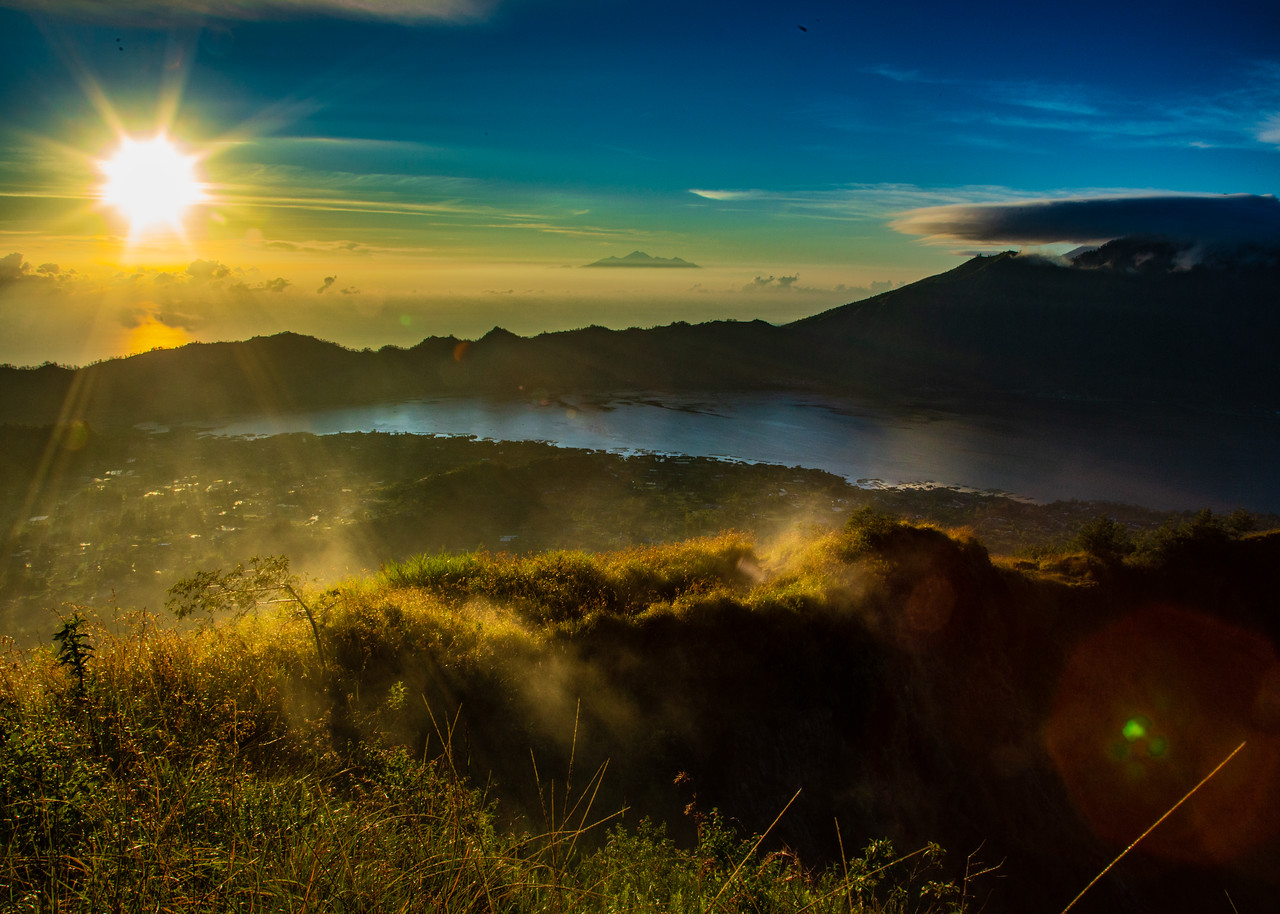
893	674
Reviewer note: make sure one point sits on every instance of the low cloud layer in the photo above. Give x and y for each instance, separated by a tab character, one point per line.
1220	219
13	268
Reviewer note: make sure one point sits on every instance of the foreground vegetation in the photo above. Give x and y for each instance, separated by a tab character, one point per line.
700	726
230	768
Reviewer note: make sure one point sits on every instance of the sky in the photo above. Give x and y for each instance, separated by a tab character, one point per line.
377	172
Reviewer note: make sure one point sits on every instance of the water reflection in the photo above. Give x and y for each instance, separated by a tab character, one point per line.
1176	459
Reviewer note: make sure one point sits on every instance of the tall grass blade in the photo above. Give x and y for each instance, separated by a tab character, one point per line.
1222	764
755	847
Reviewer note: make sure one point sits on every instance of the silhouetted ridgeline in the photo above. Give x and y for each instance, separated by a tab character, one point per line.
1123	324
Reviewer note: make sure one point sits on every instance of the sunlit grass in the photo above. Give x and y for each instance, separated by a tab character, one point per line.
179	781
222	768
562	586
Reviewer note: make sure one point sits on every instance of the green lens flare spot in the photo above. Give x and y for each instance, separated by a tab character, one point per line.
1157	747
1135	728
406	320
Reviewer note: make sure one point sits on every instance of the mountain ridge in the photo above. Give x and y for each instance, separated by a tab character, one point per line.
641	259
1005	325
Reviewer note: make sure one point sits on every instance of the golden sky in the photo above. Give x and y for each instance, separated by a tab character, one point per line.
374	173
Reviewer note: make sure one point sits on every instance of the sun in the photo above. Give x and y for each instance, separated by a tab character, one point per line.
152	183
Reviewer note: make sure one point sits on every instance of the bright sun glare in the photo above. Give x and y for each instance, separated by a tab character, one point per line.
151	183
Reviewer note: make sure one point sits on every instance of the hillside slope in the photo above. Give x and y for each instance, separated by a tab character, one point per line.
906	685
1018	324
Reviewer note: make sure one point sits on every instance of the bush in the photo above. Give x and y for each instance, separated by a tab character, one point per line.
1104	539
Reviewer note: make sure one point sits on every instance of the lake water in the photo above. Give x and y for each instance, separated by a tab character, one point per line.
1178	459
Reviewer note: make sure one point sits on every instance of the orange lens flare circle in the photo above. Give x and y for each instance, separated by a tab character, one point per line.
1149	705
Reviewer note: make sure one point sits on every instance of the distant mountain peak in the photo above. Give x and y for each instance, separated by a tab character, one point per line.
641	259
499	334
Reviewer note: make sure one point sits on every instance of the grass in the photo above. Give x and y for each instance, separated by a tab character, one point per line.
406	765
221	768
565	585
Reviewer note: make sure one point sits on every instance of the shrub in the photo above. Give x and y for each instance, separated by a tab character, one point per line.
1104	539
867	530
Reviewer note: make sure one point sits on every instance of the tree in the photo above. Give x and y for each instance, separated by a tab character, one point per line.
266	580
1105	539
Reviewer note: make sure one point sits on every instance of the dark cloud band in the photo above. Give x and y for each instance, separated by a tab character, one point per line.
1220	219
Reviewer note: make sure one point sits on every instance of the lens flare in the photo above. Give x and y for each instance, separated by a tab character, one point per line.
1145	706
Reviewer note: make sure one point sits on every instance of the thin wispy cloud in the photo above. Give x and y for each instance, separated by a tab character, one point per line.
902	74
1023	93
1269	130
730	194
1210	119
291	145
859	201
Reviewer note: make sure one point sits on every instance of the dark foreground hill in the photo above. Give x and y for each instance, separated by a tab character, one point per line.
1042	714
1125	323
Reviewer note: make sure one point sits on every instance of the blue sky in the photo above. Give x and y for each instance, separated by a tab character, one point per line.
453	164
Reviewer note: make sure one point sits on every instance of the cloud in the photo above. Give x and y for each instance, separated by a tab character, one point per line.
161	12
279	284
858	293
1213	219
729	194
328	281
12	267
857	201
783	282
328	248
207	270
1269	130
1224	113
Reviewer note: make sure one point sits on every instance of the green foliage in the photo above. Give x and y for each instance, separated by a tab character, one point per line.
1104	539
448	574
238	589
1201	538
561	586
241	589
48	783
1240	522
209	770
867	529
642	870
74	649
151	797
